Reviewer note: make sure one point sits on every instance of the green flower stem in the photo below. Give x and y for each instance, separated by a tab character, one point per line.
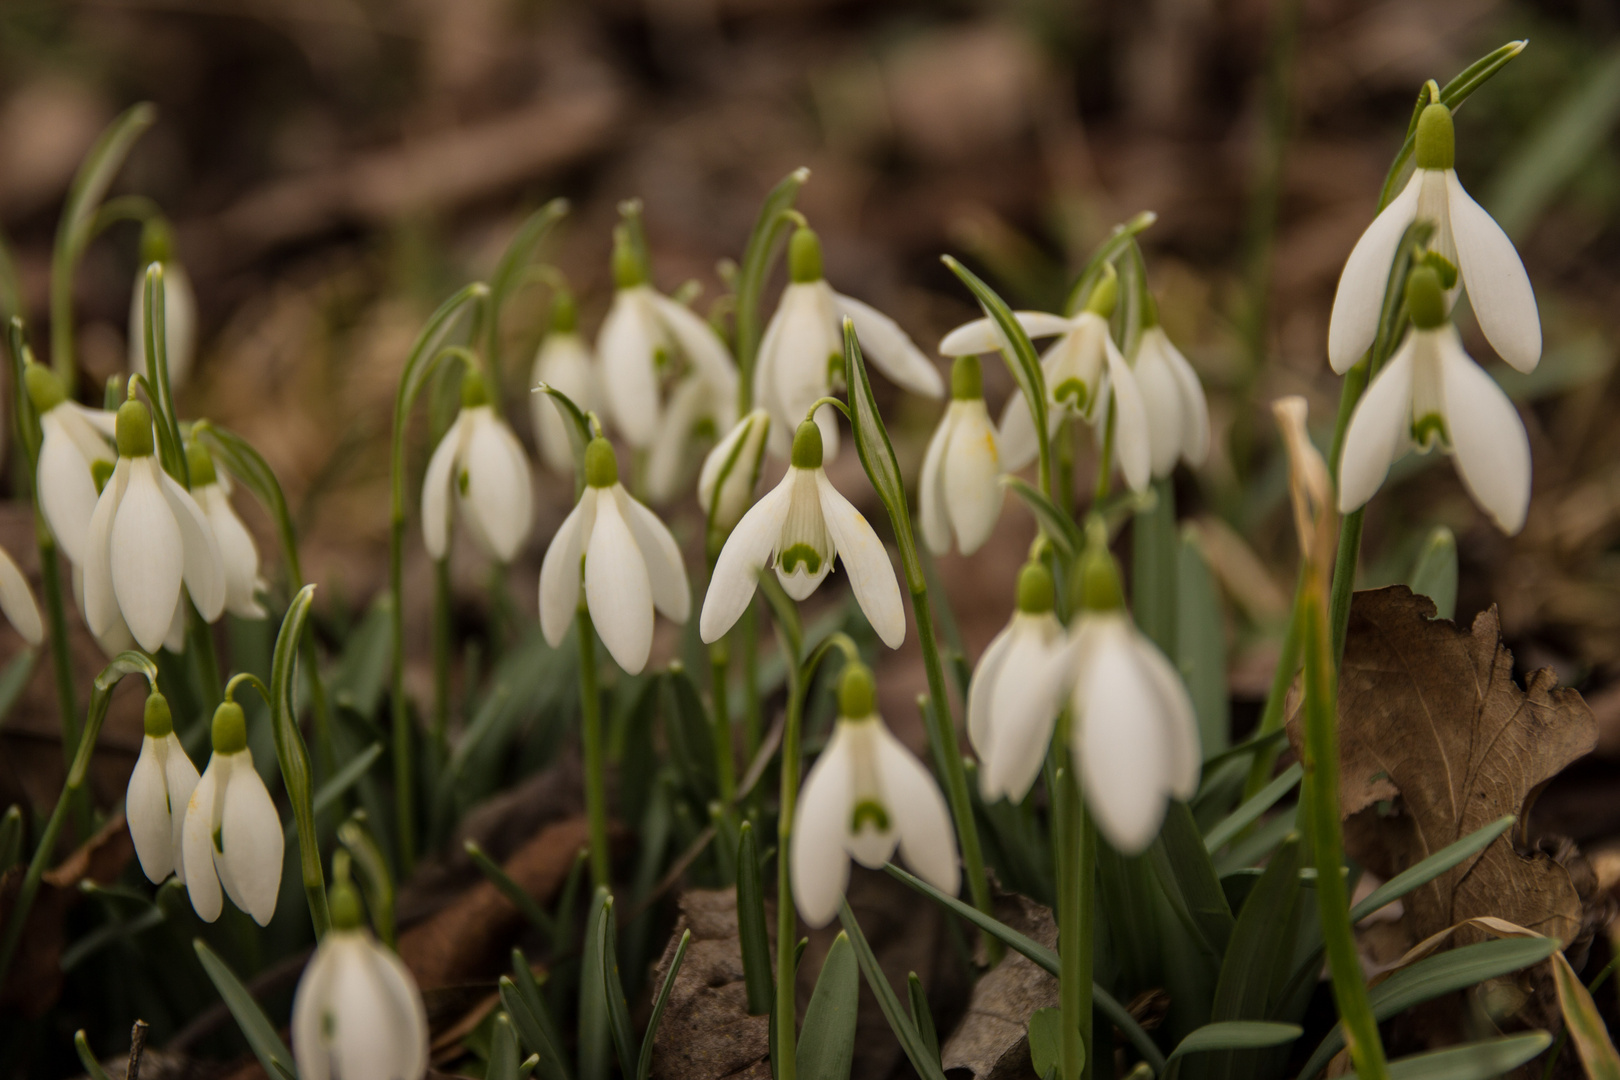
61	659
129	663
1272	718
292	756
441	652
787	922
753	712
590	703
1076	840
725	765
205	663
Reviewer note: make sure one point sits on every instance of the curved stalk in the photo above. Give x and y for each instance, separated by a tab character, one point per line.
590	704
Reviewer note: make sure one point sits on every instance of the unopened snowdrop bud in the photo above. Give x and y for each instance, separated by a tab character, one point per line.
960	492
564	361
237	551
631	566
801	355
232	835
1466	237
74	444
179	306
17	601
148	536
1431	393
357	1013
730	471
1009	730
866	796
159	791
480	467
802	525
1173	398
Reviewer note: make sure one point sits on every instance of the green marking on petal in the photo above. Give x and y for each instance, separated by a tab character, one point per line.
101	471
800	555
1428	430
661	359
835	369
869	811
328	1024
219	838
463	481
1074	389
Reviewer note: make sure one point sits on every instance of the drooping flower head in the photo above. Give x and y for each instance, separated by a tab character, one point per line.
211	487
1173	399
17	601
1486	264
74	440
802	352
564	361
696	417
961	495
148	536
159	791
1431	393
801	526
730	471
1010	729
232	835
480	467
866	796
631	566
179	307
357	1013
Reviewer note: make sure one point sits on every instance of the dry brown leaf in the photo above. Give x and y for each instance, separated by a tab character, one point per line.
1429	712
706	1031
992	1041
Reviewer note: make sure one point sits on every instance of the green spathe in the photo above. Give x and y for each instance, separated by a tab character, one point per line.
230	728
601	464
159	721
857	693
967	379
807	446
134	429
804	256
1436	138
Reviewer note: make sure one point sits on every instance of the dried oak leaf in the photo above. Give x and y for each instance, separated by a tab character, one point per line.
1429	712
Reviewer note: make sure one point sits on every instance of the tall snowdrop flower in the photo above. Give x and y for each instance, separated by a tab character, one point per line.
1432	393
232	835
730	471
1086	377
179	307
696	415
960	492
17	601
357	1013
564	361
1134	736
1010	731
237	551
632	566
148	536
159	791
803	524
643	331
802	352
481	464
866	796
1173	398
75	439
1487	265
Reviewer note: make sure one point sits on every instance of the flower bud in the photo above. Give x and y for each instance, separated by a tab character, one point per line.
134	429
804	256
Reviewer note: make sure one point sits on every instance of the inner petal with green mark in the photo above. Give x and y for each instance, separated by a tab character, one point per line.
1429	429
1072	393
804	552
869	811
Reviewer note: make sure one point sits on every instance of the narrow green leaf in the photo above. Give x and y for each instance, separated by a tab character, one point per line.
92	1067
1200	642
594	1034
1190	881
877	455
1245	815
826	1047
1045	958
910	1041
372	870
327	795
1046	1042
689	733
1426	871
1122	237
1435	573
516	894
509	272
1434	976
644	1063
533	1021
1154	593
756	949
618	1011
1585	1024
921	1015
577	425
256	1027
1256	846
13	679
1237	1035
1258	958
11	837
1059	527
293	756
770	229
360	675
503	1050
1483	1060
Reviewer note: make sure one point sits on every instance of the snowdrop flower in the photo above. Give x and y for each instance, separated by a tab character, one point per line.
802	351
179	307
232	835
240	556
631	566
642	331
1487	265
1177	413
482	463
115	637
1008	733
357	1013
960	492
1086	377
564	361
74	440
866	796
804	523
148	536
159	791
17	601
698	412
730	471
1432	393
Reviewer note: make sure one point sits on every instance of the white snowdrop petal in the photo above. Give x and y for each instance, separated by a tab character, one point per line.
1492	273
927	841
203	569
362	1040
311	1001
175	639
1194	406
101	423
436	483
1120	757
666	573
1360	295
1487	436
146	555
1024	704
617	590
1131	440
253	840
667	460
699	342
1176	716
17	601
981	335
746	551
67	491
564	361
410	1023
146	809
629	380
820	866
972	466
1379	430
871	576
808	337
197	845
180	777
560	570
237	552
100	603
499	491
734	460
1016	439
891	348
1161	398
980	722
935	523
